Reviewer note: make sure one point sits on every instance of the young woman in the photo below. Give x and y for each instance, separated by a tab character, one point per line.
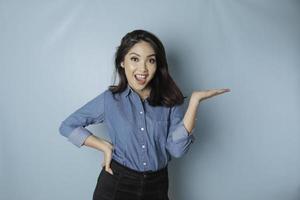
146	122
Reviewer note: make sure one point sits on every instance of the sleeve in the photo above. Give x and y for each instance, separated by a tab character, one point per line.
178	140
73	127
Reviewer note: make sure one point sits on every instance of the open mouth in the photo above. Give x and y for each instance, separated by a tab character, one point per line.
141	78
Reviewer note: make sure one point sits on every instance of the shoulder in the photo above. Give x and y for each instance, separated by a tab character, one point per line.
110	96
178	109
101	94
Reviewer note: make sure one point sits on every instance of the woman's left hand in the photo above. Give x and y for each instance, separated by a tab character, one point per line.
205	94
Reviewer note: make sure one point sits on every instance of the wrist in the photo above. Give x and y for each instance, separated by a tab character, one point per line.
194	100
107	147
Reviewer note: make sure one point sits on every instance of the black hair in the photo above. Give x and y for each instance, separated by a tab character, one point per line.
164	91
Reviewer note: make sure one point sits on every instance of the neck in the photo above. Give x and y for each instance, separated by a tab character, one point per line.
144	93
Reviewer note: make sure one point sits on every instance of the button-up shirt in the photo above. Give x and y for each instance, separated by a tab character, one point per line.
144	137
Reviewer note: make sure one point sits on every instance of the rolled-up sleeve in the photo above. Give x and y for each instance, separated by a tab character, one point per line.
179	139
73	127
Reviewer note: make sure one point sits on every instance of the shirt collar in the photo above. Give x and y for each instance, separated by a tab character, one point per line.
129	90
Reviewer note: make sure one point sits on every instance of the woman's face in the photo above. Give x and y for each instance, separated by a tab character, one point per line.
140	66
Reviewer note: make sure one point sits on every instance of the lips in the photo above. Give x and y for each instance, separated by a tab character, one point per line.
141	77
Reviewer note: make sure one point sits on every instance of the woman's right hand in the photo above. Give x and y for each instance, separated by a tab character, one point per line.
107	156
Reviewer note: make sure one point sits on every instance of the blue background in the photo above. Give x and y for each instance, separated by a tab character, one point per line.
57	55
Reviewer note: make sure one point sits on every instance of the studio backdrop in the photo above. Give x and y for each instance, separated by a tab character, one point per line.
57	55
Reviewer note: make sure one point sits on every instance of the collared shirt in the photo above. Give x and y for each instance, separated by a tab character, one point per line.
144	137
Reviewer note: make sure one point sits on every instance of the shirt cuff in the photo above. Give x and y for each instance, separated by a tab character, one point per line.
181	133
79	135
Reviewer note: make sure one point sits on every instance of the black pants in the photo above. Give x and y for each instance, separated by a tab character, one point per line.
128	184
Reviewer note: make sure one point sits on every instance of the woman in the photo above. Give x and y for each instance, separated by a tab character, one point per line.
144	117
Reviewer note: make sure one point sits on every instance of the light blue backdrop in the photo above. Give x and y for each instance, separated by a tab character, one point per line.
57	55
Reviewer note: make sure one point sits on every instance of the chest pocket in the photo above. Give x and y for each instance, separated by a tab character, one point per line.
158	117
160	129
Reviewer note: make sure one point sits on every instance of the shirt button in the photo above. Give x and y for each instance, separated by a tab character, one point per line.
141	112
142	129
144	163
143	146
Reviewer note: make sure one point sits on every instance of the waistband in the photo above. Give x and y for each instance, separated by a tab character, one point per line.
121	168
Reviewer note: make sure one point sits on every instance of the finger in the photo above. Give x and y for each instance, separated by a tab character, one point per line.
220	91
109	170
217	92
107	167
226	90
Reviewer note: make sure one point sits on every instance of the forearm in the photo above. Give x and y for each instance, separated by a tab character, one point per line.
97	143
190	114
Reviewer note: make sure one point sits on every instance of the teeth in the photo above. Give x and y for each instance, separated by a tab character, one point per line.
140	76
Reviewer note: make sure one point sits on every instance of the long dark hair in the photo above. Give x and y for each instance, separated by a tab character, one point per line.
164	91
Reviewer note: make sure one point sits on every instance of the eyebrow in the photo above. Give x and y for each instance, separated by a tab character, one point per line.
139	55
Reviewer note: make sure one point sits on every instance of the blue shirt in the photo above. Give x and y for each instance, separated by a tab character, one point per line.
144	137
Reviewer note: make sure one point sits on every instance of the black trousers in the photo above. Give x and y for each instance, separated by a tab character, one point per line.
128	184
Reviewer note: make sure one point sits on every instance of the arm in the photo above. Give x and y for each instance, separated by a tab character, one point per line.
102	145
178	139
180	135
190	115
196	98
73	127
97	143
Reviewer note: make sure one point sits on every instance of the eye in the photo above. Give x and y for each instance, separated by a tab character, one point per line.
133	58
152	60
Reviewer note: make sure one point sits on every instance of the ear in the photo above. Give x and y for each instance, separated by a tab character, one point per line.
122	64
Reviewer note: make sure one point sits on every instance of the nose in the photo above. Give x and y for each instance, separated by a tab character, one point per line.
143	66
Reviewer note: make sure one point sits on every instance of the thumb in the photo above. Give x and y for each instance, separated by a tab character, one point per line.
108	169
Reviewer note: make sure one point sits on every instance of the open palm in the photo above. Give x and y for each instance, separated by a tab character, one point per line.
205	94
